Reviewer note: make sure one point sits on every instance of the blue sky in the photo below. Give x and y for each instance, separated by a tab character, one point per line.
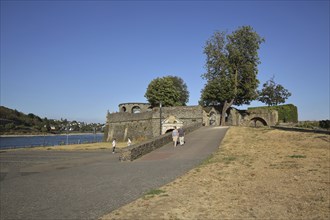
79	59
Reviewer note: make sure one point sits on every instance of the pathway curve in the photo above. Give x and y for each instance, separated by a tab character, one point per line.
89	184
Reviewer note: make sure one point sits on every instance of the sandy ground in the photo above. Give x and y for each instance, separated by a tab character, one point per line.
256	174
74	147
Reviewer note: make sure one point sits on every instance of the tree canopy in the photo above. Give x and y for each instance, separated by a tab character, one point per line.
231	64
169	90
273	94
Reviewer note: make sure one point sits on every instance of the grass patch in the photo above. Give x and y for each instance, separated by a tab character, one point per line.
297	156
197	170
208	160
154	192
228	159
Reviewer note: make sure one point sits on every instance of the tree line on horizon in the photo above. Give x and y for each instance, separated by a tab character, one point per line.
15	122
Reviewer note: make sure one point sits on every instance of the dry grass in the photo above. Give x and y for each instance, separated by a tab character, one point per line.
257	173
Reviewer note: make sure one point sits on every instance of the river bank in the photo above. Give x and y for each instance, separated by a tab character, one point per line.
30	141
48	134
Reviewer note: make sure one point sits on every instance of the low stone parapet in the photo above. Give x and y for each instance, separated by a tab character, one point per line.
135	151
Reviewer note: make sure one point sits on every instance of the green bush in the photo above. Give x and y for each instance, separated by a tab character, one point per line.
308	124
325	124
286	113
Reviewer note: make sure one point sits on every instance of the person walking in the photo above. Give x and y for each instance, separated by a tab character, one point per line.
181	136
114	145
175	135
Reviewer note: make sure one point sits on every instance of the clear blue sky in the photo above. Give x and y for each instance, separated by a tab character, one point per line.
79	59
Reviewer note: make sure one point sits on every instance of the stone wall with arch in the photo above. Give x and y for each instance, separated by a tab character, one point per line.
147	122
134	107
141	121
253	118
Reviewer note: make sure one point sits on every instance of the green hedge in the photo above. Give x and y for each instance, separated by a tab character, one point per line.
286	113
325	124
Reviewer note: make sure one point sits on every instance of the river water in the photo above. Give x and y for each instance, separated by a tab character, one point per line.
48	140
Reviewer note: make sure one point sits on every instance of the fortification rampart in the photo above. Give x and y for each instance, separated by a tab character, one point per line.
141	121
125	117
122	125
254	118
134	107
135	151
147	124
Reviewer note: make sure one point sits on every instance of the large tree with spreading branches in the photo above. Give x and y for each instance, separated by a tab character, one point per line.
232	67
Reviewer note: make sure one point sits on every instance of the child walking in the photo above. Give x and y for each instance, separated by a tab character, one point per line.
113	145
175	136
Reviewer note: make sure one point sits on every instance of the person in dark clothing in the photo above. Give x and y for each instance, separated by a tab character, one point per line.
181	136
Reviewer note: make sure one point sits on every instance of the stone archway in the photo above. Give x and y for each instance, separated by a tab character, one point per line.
169	123
123	109
169	130
212	118
136	109
257	122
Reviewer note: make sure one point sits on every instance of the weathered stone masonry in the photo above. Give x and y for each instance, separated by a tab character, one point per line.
146	123
141	121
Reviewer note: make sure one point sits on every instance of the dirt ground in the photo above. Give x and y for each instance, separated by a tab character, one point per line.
256	174
74	147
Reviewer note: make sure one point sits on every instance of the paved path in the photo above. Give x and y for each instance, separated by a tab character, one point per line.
88	185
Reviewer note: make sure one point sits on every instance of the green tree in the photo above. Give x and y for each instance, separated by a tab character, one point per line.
181	86
169	90
231	64
272	93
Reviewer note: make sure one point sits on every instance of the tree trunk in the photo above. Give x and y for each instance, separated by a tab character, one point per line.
225	107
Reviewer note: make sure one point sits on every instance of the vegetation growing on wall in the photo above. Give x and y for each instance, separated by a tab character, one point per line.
286	113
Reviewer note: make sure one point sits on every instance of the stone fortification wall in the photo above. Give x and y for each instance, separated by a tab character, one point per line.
187	114
269	116
255	117
122	125
135	151
125	116
129	107
146	125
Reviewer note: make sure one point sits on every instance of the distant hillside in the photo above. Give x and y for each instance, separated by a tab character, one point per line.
8	115
15	122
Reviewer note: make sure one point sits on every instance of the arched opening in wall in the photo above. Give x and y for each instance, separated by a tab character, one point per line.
136	109
169	130
257	122
149	109
227	115
123	109
212	119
